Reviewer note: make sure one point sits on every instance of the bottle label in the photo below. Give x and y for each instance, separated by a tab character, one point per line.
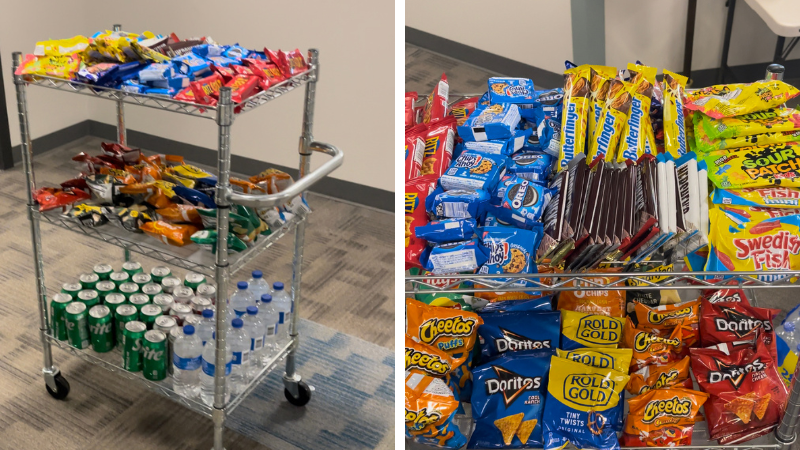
186	363
271	330
208	368
257	343
241	357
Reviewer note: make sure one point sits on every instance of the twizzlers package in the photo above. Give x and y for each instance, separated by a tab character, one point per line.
729	322
747	393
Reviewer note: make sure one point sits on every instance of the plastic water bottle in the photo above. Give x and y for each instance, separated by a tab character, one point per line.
793	317
269	315
206	326
259	286
207	374
283	305
256	329
241	299
186	360
240	350
787	333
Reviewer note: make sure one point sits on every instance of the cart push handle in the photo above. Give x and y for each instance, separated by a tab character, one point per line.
303	184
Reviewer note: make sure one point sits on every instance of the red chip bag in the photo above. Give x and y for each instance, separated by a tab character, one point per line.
436	108
410	98
293	62
463	108
417	191
414	151
747	393
728	322
726	295
51	198
438	147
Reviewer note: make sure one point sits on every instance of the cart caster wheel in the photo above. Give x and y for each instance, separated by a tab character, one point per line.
62	388
305	394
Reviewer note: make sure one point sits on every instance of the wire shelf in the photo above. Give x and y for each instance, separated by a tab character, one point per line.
112	361
167	103
190	257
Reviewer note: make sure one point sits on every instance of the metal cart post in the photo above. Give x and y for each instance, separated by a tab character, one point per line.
122	139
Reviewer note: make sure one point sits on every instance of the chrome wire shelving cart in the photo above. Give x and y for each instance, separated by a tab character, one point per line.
221	266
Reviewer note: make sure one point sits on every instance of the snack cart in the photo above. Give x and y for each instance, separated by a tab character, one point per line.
221	266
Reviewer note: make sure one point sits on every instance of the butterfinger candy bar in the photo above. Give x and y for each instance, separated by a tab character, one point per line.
601	78
634	136
674	124
612	120
206	90
575	115
738	99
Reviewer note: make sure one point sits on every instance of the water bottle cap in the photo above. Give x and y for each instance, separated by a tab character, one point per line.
237	323
257	274
277	286
252	310
188	330
266	298
242	285
208	313
788	326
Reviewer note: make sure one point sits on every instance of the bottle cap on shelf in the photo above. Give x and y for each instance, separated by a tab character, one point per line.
242	285
266	298
788	326
237	323
188	330
253	310
277	286
257	274
208	313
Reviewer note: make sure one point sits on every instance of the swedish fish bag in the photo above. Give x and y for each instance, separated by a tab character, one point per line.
730	100
582	404
589	330
576	112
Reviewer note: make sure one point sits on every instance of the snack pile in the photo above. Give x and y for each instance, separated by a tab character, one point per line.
164	197
191	70
608	174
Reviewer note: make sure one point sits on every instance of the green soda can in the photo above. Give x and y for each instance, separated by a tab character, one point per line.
101	330
103	271
118	278
123	315
152	289
154	351
159	273
132	337
58	309
89	297
115	299
104	288
149	314
141	279
89	280
128	289
139	300
77	329
193	280
132	268
170	283
165	301
71	289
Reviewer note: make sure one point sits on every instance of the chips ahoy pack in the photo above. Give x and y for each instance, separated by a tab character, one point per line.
474	170
511	90
497	121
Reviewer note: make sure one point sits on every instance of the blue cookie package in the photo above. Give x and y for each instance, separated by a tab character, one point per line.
492	221
517	331
474	170
510	250
531	165
191	65
495	122
447	230
155	72
551	103
464	256
456	203
501	147
519	201
511	90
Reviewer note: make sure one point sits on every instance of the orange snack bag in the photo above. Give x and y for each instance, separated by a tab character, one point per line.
662	418
426	360
452	331
177	235
650	348
180	214
603	302
667	317
675	374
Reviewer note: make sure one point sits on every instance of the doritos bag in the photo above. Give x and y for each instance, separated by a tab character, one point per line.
589	330
662	418
728	322
726	295
452	331
674	374
602	302
426	360
650	347
430	407
582	405
508	401
747	393
518	331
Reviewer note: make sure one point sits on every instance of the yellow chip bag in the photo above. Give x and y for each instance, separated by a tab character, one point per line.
728	100
674	124
706	145
618	359
612	121
575	114
634	135
766	197
768	121
754	167
581	330
601	77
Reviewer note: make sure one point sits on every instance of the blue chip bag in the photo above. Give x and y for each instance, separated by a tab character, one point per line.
155	72
511	90
519	201
508	399
531	165
505	147
516	331
457	203
429	410
537	304
448	230
497	121
194	196
464	256
474	170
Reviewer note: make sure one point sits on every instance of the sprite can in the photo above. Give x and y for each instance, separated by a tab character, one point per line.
132	337
208	290
104	288
77	329
139	300
123	315
152	289
154	350
165	301
58	309
101	330
193	280
89	297
103	271
149	314
169	283
71	289
159	273
141	279
89	280
132	268
119	277
128	289
183	294
115	299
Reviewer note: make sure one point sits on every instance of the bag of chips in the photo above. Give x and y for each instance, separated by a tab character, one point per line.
180	214
618	359
674	374
416	193
426	360
430	407
450	330
436	108
589	330
651	347
726	296
662	418
729	322
170	234
728	100
667	317
516	331
538	304
602	302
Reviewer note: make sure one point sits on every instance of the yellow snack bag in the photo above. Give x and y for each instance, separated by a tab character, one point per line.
574	117
634	135
752	167
706	145
766	197
61	47
579	330
59	66
674	126
650	138
767	121
612	121
618	359
601	77
728	100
